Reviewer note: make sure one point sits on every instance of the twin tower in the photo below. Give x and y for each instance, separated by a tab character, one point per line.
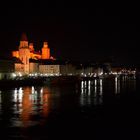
26	52
28	49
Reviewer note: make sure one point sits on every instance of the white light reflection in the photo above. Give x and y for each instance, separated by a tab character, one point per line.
15	91
33	90
95	88
82	91
85	84
89	87
95	82
41	97
41	90
20	90
91	92
82	99
33	95
82	87
101	87
101	82
17	100
18	94
116	85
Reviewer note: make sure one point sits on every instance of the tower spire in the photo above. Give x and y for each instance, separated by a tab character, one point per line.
23	41
23	37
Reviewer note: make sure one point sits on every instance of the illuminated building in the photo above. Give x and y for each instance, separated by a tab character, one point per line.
26	52
28	61
45	51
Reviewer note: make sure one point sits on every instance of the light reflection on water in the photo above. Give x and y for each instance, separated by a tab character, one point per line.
29	106
91	92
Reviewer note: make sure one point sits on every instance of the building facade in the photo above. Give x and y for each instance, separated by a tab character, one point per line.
26	52
34	63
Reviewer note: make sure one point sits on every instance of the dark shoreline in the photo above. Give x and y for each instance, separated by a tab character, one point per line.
61	80
18	83
57	80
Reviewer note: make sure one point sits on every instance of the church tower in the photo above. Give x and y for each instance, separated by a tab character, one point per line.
23	41
24	53
45	51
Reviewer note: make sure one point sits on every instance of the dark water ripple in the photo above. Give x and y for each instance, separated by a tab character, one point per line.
97	109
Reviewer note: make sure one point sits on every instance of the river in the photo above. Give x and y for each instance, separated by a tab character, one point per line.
94	109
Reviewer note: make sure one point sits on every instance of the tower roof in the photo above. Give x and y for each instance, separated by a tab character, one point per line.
23	37
45	45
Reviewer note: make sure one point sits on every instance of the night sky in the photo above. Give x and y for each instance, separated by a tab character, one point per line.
85	32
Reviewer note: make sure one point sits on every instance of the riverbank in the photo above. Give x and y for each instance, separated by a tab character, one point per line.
33	81
5	83
54	80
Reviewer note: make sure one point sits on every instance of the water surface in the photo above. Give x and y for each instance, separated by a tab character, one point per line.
89	109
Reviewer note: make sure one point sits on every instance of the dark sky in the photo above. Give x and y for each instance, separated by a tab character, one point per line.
83	32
